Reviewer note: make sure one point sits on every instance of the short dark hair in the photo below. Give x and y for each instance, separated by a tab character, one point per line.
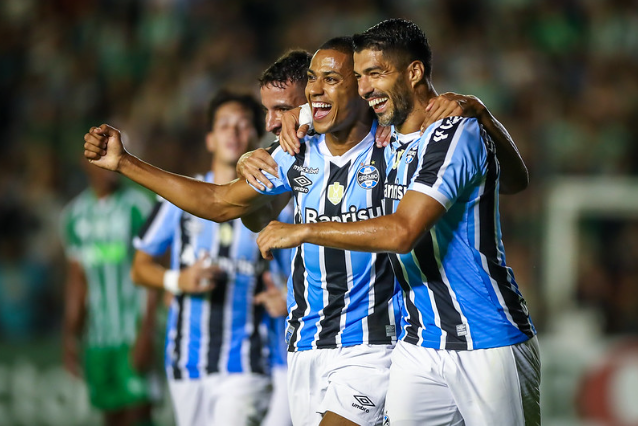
246	100
292	67
401	39
343	44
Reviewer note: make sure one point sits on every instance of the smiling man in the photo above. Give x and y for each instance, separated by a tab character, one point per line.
467	352
342	304
343	310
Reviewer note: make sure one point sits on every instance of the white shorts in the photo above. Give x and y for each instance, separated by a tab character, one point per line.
498	386
278	409
220	399
351	382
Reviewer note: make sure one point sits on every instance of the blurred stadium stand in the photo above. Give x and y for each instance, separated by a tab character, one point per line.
560	74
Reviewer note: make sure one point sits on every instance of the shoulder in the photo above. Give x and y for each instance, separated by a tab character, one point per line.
285	159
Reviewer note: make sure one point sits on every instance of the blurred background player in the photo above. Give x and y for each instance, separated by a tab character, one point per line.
217	354
102	306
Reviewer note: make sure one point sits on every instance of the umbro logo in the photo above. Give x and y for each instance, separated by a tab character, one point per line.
362	403
302	181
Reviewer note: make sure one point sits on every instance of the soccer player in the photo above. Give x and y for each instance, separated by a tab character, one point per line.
217	359
340	302
282	88
467	352
102	306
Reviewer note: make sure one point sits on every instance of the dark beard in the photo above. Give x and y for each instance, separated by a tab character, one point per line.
402	107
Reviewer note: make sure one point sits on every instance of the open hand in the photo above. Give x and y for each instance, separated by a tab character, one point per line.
251	165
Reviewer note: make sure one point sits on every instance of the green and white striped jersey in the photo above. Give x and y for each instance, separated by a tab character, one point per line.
98	233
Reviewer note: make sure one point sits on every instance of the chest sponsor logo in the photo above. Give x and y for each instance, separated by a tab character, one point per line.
307	170
335	193
394	191
301	184
352	215
368	176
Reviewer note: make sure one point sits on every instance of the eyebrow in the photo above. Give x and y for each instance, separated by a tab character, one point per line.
370	69
325	73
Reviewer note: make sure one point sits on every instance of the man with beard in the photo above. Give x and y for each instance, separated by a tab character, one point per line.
339	301
343	313
467	352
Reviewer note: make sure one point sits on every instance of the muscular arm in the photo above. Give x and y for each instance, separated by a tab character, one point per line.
147	271
257	220
514	175
103	147
398	232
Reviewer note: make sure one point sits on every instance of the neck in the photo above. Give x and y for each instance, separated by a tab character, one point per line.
342	141
222	172
416	118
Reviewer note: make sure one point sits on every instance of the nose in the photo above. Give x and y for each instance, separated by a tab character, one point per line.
364	87
313	88
273	121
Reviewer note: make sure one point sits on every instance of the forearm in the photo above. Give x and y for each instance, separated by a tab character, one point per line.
199	198
514	174
148	272
383	234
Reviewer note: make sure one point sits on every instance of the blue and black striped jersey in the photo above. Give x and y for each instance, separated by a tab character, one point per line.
337	298
458	291
220	331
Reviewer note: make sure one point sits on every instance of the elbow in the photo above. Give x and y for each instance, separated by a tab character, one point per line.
404	240
515	186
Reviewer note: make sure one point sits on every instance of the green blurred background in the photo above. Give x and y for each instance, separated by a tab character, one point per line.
562	75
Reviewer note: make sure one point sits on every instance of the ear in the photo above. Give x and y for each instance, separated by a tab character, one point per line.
416	72
211	142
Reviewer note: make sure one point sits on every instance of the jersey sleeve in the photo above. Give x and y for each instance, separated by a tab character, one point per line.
284	162
158	232
451	157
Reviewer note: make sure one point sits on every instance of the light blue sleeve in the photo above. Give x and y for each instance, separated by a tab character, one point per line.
280	185
158	233
452	157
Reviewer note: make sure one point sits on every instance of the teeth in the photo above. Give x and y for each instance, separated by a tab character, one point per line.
321	105
376	101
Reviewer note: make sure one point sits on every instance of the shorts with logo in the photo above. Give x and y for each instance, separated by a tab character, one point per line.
496	386
351	382
112	381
